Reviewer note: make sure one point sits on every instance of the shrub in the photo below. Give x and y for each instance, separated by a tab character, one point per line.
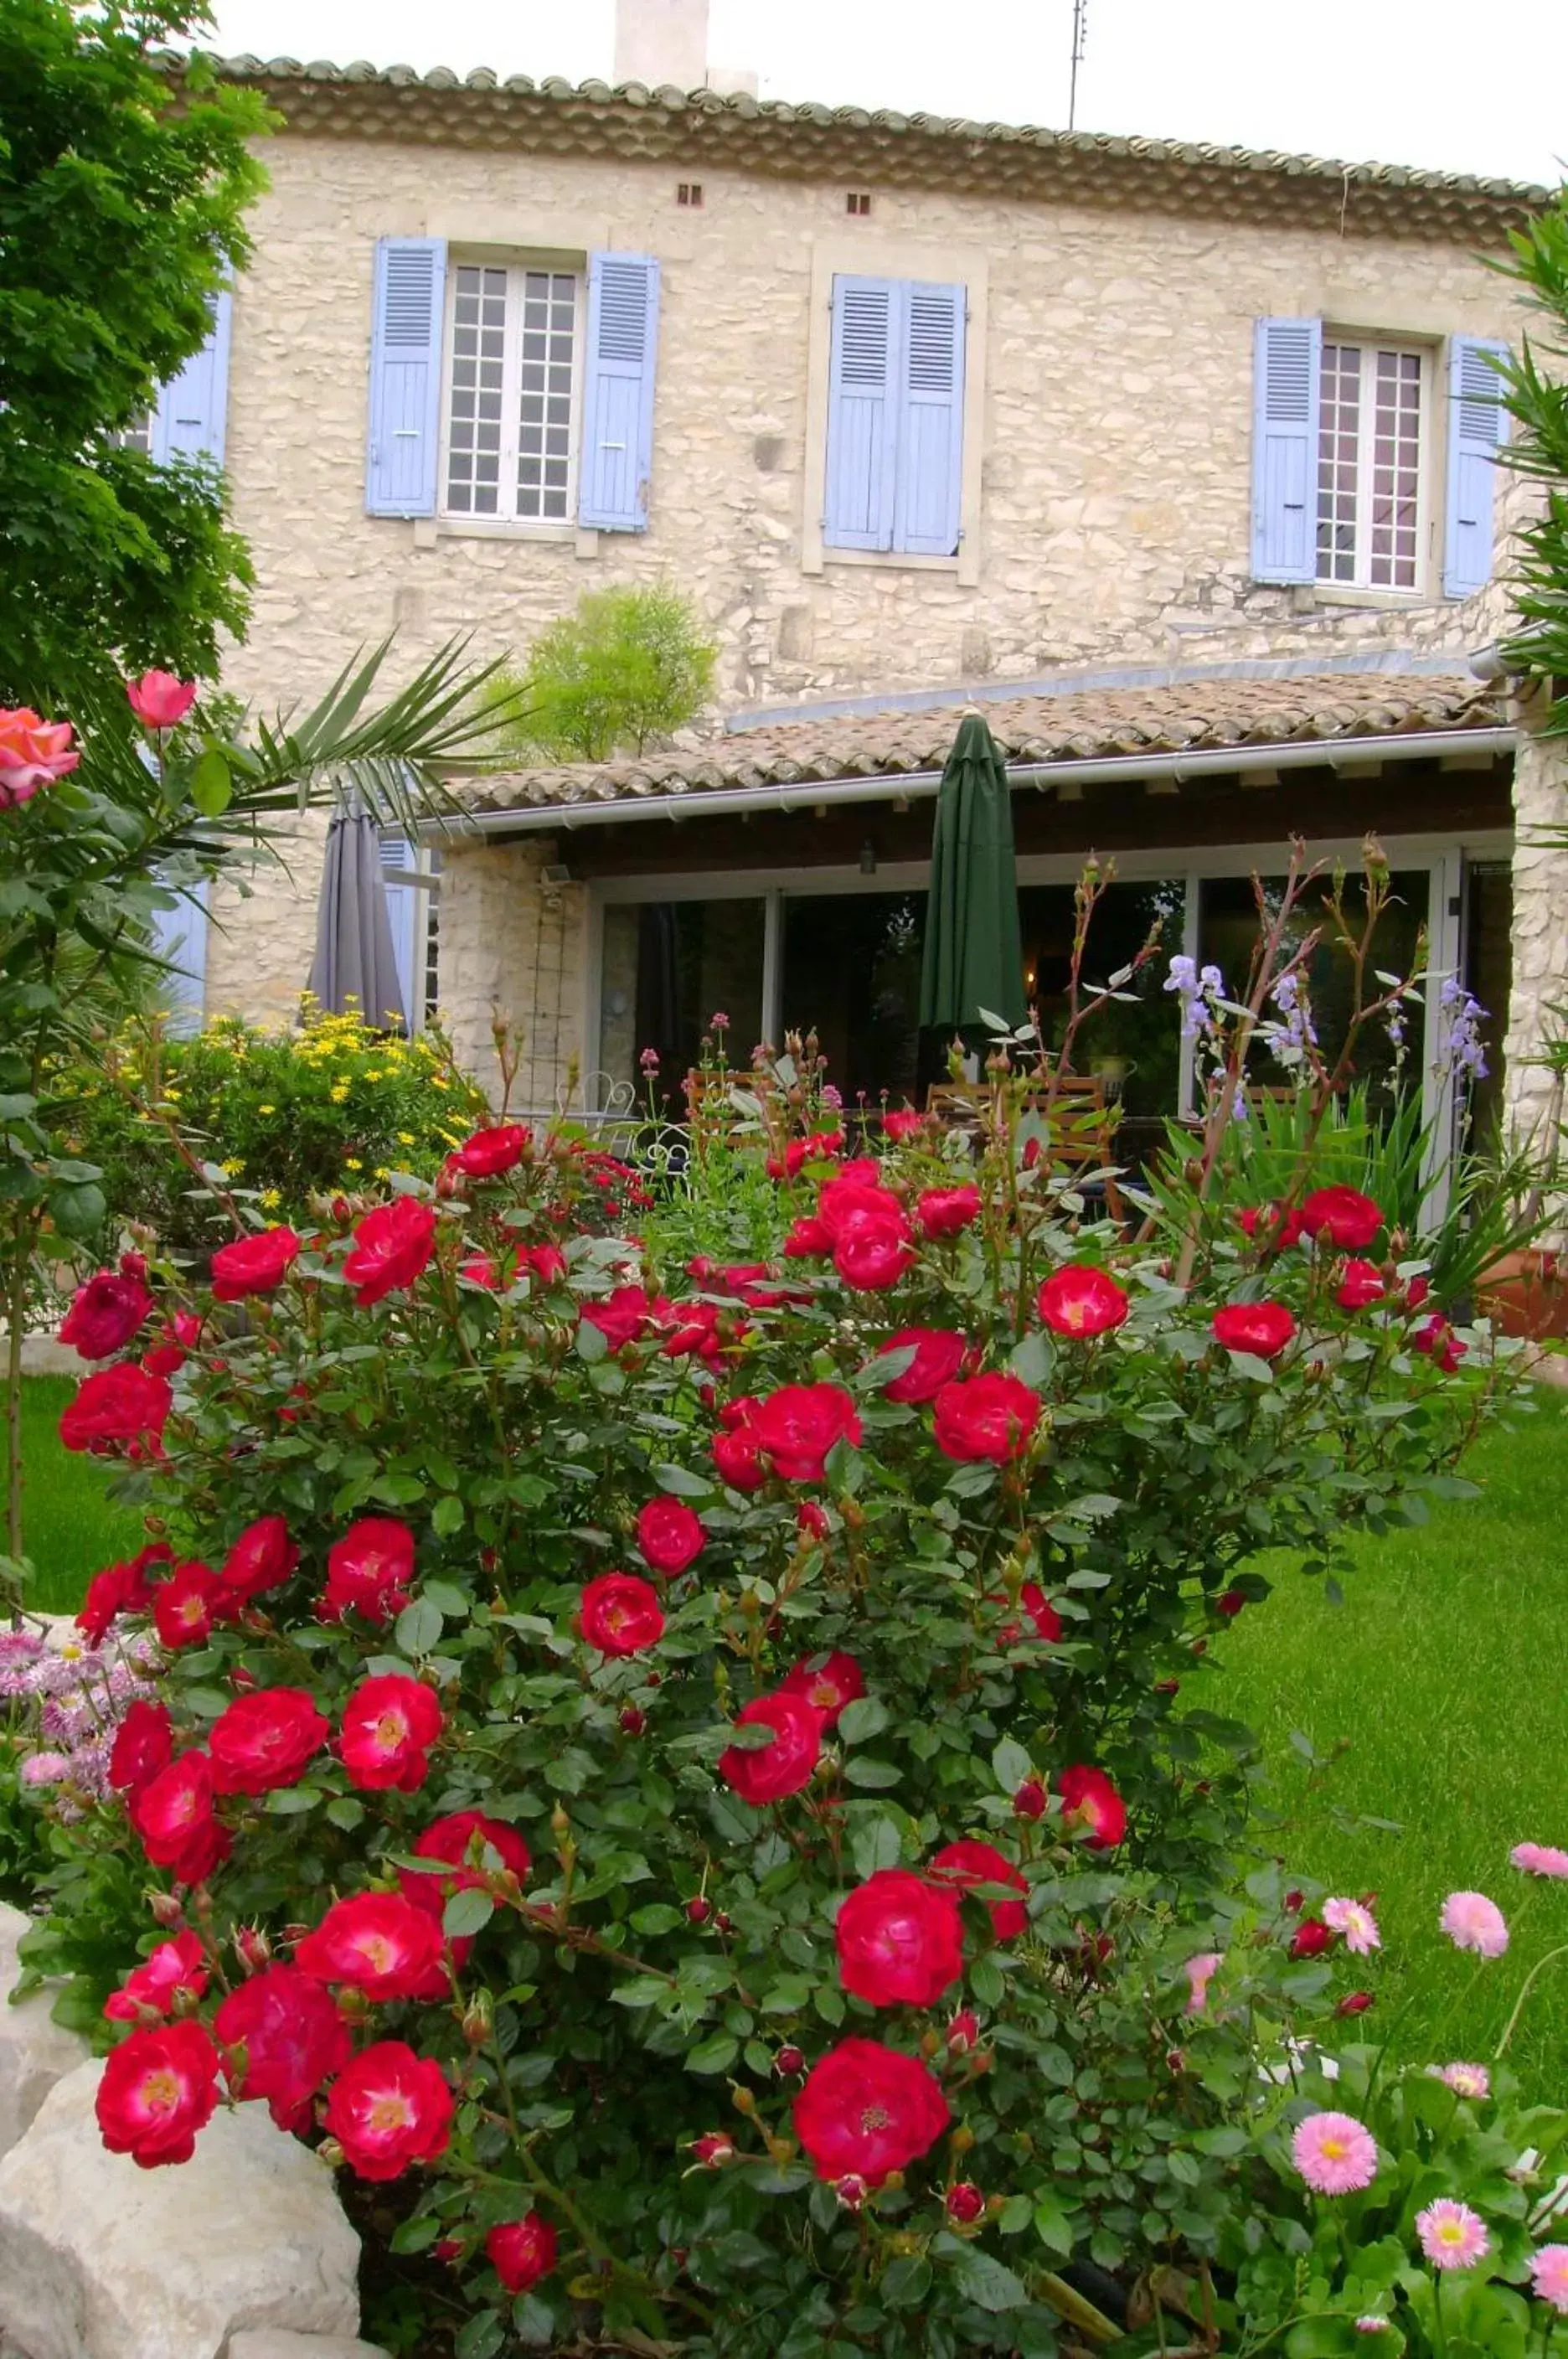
746	1757
624	666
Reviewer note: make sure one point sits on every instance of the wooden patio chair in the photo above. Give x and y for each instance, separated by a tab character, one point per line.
1082	1126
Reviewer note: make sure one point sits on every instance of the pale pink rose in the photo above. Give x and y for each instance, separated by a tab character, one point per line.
1335	2153
1198	1972
159	701
1472	1922
1356	1922
1549	2276
1540	1859
1451	2236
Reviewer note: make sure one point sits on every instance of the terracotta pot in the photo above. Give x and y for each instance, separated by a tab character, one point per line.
1527	1294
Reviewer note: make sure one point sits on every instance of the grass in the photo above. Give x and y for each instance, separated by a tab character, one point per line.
72	1529
1437	1689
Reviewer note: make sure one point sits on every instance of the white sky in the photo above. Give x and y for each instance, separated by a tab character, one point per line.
1442	83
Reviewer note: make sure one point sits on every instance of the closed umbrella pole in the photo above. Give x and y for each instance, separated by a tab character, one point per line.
974	952
354	963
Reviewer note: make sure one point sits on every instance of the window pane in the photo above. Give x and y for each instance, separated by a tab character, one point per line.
477	363
1338	452
695	958
550	317
1134	1045
852	973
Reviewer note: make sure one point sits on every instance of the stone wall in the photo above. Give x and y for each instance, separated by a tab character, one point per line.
513	952
1540	978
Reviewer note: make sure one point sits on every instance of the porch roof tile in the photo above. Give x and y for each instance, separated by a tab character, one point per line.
1085	724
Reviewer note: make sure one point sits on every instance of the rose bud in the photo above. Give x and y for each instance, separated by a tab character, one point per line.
963	2032
252	1948
850	2191
447	2248
1293	1902
788	2062
633	1720
1230	1604
1310	1939
1030	1800
964	2203
714	2149
1175	2060
166	1910
478	2019
1356	2003
699	1908
1167	1687
721	1923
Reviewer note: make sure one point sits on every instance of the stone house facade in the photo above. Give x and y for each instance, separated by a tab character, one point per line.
1098	432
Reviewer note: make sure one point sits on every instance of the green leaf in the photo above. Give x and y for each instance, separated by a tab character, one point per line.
1053	2226
863	1718
591	1342
715	2055
906	2282
78	1212
481	2338
682	1484
345	1812
1010	1765
875	1843
861	1769
985	2282
448	1599
290	1800
211	783
418	1627
415	2235
533	2323
1030	1360
446	1515
468	1911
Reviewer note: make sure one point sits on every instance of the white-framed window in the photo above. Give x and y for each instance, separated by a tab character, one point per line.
512	402
1374	498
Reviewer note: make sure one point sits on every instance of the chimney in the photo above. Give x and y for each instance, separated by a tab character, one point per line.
662	41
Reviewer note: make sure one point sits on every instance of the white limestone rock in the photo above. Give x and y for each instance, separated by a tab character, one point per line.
277	2342
100	2259
34	2052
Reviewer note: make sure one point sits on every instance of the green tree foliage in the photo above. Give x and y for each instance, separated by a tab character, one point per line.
1536	392
626	666
123	192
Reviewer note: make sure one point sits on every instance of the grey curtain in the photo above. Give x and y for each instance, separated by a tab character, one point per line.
354	959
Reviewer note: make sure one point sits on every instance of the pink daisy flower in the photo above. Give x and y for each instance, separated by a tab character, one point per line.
1549	2276
1464	2080
1198	1972
1540	1859
1473	1922
1356	1923
1451	2236
1371	2324
1335	2153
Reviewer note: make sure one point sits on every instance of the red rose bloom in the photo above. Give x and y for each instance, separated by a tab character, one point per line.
1438	1340
670	1535
938	1355
1310	1939
1361	1285
1343	1215
256	1264
460	1842
1090	1802
797	1425
490	1152
785	1764
262	1558
522	2251
738	1459
369	1569
1261	1328
1276	1225
121	1404
623	1317
176	1969
547	1263
158	2089
173	1344
972	1863
388	1726
868	1232
292	2037
105	1314
828	1683
389	2108
1041	1613
144	1744
946	1211
266	1740
391	1247
120	1589
986	1417
807	1240
866	2110
1081	1301
899	1940
620	1614
379	1943
186	1606
173	1815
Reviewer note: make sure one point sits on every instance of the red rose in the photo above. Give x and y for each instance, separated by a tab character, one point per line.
292	2039
1261	1328
119	1589
1438	1339
1361	1285
176	1969
389	2108
868	1232
256	1264
811	1520
105	1314
480	1270
262	1558
1310	1939
670	1535
391	1247
1091	1803
186	1606
783	1766
173	1815
899	1940
620	1614
144	1744
820	1147
797	1425
972	1863
866	2110
986	1417
522	2251
734	1449
1230	1603
1277	1226
694	1327
266	1740
121	1404
547	1263
1355	2003
173	1344
828	1683
807	1240
460	1842
1041	1613
377	1944
159	700
1081	1301
964	2203
623	1317
490	1152
714	2149
945	1211
963	2028
1343	1215
388	1726
938	1355
158	2089
1031	1799
369	1569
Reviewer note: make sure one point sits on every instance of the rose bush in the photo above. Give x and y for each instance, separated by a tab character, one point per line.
713	1783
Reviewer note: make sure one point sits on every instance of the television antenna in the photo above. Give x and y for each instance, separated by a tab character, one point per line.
1080	34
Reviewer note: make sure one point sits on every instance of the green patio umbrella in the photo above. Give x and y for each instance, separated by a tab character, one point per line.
973	958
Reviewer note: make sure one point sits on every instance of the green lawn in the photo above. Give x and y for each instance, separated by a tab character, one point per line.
1443	1680
70	1527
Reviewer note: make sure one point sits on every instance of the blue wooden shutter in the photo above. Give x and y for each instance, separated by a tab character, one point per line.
405	376
617	402
191	413
1287	380
864	372
1478	427
404	906
180	935
931	427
